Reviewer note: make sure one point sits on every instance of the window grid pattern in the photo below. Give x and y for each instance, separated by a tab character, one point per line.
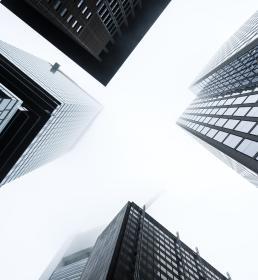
9	104
67	122
234	164
225	112
242	73
243	37
103	250
74	15
79	20
162	255
126	262
92	23
115	13
231	120
72	271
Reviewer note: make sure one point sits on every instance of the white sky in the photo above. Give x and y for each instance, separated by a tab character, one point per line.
134	149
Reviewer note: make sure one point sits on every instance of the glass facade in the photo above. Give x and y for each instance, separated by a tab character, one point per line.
72	271
9	104
225	112
134	246
71	266
55	112
240	40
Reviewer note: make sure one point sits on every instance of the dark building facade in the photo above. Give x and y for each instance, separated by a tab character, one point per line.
42	112
134	246
224	115
93	24
97	34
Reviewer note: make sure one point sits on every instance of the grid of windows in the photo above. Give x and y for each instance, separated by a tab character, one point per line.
231	119
225	112
72	271
134	246
79	20
243	37
149	251
115	13
92	23
74	15
98	35
241	73
101	257
74	112
9	104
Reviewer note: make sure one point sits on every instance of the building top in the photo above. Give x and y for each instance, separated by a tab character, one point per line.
41	72
135	246
246	35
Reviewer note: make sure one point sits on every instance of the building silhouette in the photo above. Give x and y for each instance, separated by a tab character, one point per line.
134	246
98	35
43	113
224	115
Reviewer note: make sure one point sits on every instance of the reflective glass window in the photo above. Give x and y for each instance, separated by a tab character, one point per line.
248	147
245	126
232	140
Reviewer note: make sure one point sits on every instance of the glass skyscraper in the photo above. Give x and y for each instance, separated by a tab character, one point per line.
43	113
98	35
134	246
224	115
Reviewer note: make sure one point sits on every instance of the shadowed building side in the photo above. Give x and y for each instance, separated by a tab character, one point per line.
98	35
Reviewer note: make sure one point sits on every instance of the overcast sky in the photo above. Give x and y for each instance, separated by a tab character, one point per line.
134	149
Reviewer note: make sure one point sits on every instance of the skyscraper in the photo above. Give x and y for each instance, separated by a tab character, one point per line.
224	115
134	246
98	35
42	112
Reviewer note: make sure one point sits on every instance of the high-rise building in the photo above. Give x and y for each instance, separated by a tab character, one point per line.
98	35
134	246
71	266
42	112
224	115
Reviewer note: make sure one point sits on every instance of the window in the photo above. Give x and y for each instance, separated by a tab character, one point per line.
231	124
232	140
221	135
212	132
242	111
253	112
245	126
220	122
57	5
252	99
230	111
255	130
248	147
213	120
239	100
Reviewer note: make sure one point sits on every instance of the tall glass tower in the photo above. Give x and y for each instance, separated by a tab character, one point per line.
98	35
134	246
224	115
43	113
